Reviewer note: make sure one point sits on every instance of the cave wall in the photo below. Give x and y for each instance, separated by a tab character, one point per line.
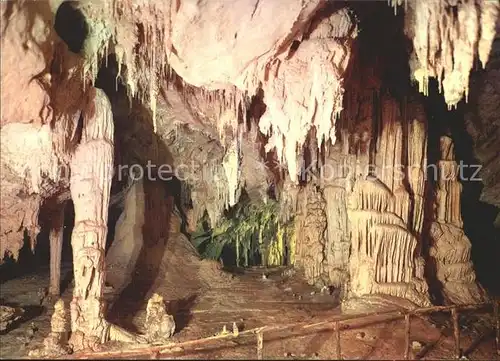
373	208
382	216
483	122
347	228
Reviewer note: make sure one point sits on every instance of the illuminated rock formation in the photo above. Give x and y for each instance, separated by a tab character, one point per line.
361	229
374	211
159	325
450	247
311	232
56	243
446	36
56	343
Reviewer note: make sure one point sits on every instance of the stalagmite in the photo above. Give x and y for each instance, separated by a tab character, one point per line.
90	183
373	189
91	168
450	247
382	216
56	241
56	342
310	251
338	243
159	325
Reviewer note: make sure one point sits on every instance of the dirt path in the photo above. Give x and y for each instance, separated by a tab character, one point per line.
251	301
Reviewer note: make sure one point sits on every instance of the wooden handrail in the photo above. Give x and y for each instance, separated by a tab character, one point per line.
335	324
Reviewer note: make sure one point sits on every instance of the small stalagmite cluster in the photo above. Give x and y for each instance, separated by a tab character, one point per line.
158	324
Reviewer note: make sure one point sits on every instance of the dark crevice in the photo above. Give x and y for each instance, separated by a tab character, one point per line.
71	25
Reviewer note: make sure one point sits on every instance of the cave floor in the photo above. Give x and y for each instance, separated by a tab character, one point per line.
251	301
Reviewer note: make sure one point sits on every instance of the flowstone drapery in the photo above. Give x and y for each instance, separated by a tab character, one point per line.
362	228
374	190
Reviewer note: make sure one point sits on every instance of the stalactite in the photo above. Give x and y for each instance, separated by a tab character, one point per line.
232	168
318	101
445	44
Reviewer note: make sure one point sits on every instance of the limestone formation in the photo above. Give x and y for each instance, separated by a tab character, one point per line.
91	168
56	242
91	173
447	35
338	242
56	343
159	325
311	233
450	247
186	94
373	190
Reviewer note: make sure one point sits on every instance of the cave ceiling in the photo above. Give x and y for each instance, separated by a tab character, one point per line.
217	83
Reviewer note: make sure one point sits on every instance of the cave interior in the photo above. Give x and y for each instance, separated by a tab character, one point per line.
177	170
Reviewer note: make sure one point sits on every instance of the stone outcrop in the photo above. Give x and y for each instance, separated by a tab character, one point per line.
450	249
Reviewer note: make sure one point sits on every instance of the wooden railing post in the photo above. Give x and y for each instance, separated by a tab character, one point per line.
337	341
456	331
260	344
497	322
407	336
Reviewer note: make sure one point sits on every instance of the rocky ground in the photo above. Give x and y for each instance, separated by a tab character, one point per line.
251	300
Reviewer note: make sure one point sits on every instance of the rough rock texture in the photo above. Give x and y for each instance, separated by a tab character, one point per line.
379	209
450	248
90	185
447	35
34	162
311	232
59	132
56	343
268	65
8	315
483	123
159	325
